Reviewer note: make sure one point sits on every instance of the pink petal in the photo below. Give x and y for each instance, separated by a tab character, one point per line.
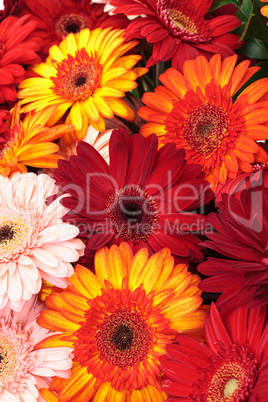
45	257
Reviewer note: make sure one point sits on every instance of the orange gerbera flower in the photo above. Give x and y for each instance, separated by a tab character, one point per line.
197	112
87	74
28	142
119	320
264	9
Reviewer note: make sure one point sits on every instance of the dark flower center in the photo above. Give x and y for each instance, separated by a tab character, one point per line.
124	338
6	233
80	81
69	23
77	76
205	127
72	27
133	213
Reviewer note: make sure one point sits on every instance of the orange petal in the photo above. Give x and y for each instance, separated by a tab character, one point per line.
227	69
245	166
246	144
56	322
231	162
174	81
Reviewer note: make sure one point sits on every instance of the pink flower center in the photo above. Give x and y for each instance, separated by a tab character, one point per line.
16	234
16	360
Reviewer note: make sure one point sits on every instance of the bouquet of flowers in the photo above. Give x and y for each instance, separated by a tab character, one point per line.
133	201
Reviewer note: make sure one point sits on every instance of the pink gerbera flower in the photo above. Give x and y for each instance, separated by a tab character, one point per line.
24	367
34	242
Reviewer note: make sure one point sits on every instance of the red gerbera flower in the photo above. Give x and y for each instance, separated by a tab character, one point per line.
241	235
141	198
18	46
233	367
57	18
179	29
10	7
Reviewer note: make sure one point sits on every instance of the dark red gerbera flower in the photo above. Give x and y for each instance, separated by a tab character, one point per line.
57	18
232	368
245	180
179	29
242	236
18	47
141	198
10	7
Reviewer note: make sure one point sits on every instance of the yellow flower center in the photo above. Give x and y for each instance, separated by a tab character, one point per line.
15	234
230	387
182	21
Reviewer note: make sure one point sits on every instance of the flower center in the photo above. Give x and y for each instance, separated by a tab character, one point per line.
123	338
205	127
230	387
15	234
230	376
133	213
77	76
69	23
182	21
6	233
15	360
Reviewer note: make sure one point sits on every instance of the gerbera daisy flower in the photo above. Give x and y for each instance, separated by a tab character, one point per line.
87	74
25	366
19	44
119	320
264	9
29	142
233	367
241	237
142	197
10	7
58	18
179	30
196	111
4	115
100	141
34	242
244	181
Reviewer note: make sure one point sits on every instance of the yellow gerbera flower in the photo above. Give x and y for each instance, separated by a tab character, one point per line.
28	142
87	73
119	321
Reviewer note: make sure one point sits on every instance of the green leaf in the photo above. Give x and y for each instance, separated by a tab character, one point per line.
219	3
247	7
255	49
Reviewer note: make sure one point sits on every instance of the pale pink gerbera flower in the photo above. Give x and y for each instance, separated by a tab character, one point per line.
24	367
100	141
34	242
